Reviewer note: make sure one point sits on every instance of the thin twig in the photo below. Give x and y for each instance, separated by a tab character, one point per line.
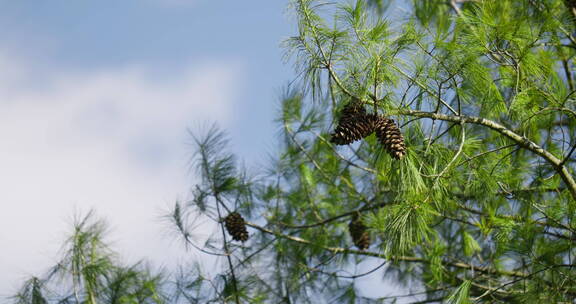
486	152
334	218
456	155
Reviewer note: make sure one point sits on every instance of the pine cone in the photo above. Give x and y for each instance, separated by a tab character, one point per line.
236	227
390	137
359	233
354	124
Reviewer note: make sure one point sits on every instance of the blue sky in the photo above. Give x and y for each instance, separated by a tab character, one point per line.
95	101
165	36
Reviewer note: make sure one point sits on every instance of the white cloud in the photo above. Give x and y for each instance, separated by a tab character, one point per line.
113	140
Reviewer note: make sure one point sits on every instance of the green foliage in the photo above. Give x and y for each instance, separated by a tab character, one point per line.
470	246
403	226
31	293
460	295
90	273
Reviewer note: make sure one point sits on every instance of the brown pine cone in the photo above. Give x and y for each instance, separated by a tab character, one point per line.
236	227
390	137
354	124
359	233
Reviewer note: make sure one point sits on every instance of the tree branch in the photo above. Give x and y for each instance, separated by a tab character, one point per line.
410	259
520	140
334	218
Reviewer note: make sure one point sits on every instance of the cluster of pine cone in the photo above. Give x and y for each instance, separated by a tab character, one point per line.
236	226
359	233
355	124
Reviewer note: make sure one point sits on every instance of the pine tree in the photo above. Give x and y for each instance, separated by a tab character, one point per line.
476	99
89	272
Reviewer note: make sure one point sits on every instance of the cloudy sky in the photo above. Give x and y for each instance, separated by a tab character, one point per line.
95	101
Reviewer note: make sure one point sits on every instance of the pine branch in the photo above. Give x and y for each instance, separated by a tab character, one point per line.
493	290
207	169
350	277
567	157
347	182
554	234
326	59
455	7
571	7
351	163
425	88
468	159
414	294
455	157
334	218
522	141
226	248
176	218
521	220
436	300
410	259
